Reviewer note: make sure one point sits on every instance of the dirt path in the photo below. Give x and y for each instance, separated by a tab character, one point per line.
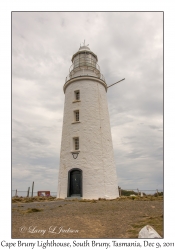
78	219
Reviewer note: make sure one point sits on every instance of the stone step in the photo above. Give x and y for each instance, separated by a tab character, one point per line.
73	198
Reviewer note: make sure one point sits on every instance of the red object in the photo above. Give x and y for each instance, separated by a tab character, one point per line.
43	193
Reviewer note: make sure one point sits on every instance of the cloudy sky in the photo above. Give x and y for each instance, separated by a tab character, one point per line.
128	45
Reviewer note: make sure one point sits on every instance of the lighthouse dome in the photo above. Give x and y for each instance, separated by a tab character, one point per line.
85	51
84	48
84	63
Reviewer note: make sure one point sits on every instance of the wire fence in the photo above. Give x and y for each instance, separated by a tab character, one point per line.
26	194
125	192
139	192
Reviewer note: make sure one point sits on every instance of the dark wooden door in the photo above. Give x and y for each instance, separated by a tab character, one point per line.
75	183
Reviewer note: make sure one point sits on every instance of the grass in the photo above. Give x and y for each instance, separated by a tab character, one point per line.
32	199
154	221
31	210
85	200
122	198
139	198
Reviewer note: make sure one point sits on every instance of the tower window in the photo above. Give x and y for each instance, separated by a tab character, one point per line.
77	95
76	143
76	115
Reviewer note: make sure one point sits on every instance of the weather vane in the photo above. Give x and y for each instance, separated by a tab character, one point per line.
84	44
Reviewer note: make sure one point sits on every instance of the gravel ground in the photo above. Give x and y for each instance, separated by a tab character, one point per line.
80	219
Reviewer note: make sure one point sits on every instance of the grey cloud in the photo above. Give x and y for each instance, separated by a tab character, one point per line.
154	127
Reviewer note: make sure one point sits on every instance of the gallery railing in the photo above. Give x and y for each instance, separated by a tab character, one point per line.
82	73
84	63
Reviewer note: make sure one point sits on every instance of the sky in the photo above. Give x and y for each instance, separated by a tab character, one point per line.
128	45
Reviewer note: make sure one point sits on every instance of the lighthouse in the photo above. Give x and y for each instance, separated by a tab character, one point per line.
87	167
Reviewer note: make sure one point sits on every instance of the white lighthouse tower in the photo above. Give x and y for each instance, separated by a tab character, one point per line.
87	167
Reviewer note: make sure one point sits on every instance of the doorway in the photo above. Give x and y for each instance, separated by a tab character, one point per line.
75	182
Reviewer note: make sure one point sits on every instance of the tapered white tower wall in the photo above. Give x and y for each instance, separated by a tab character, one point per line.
92	174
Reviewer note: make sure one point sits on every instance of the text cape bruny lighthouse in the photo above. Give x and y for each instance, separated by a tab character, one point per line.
87	168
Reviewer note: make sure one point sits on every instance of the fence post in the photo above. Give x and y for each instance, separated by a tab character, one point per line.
32	189
28	191
138	191
120	191
16	193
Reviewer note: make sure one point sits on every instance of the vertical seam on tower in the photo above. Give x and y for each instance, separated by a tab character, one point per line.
101	139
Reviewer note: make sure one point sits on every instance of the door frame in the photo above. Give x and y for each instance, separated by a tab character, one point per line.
81	181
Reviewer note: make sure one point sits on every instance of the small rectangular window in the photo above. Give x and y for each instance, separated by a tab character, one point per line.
77	95
77	116
76	143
